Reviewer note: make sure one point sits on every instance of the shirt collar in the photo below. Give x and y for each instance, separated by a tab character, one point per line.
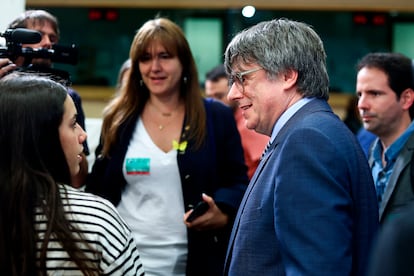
394	149
287	115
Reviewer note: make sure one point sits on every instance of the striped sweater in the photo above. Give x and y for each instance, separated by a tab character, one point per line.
115	251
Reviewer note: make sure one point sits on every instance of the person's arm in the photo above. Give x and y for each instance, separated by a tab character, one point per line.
213	218
118	253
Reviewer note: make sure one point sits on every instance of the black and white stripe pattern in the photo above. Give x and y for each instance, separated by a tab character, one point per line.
266	149
103	229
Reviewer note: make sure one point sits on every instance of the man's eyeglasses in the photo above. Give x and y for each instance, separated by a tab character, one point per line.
238	78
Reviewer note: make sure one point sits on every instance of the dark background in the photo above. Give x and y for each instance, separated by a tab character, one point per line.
104	43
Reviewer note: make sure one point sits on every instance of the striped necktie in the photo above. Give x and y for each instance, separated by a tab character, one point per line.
266	149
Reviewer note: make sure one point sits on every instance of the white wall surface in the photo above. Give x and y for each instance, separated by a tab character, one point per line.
9	9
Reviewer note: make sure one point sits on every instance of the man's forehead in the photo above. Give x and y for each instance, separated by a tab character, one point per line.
39	24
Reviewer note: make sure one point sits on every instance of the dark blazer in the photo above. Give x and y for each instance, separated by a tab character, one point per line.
399	191
310	208
216	169
393	253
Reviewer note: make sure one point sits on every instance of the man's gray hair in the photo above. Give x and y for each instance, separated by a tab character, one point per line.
281	45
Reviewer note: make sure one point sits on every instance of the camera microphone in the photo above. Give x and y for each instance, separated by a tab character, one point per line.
22	35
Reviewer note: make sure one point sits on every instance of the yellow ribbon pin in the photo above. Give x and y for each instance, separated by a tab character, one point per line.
179	146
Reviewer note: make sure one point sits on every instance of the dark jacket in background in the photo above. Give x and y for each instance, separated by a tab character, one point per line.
393	254
399	191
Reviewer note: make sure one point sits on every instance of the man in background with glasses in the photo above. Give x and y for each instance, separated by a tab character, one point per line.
310	209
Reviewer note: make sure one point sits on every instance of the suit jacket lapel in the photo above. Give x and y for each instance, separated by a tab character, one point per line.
403	159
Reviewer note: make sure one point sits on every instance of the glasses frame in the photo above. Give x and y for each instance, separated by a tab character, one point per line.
240	75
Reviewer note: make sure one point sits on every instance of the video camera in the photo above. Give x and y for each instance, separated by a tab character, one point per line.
58	53
16	37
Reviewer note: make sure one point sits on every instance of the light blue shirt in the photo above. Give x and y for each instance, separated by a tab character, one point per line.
287	115
380	173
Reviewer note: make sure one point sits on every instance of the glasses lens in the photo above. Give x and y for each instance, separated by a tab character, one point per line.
239	82
236	79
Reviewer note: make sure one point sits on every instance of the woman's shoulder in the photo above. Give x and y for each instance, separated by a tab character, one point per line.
89	206
103	228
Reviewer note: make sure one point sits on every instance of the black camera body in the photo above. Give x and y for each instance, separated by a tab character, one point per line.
58	53
16	37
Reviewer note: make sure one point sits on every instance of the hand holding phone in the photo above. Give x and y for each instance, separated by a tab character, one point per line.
198	210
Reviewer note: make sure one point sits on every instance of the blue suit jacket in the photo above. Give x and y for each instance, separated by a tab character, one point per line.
217	169
310	208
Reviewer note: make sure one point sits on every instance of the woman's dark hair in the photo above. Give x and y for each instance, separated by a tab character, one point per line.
32	163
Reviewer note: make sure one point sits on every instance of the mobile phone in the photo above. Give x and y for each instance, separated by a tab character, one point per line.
198	210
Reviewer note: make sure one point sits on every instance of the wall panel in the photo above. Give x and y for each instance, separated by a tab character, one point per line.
350	5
